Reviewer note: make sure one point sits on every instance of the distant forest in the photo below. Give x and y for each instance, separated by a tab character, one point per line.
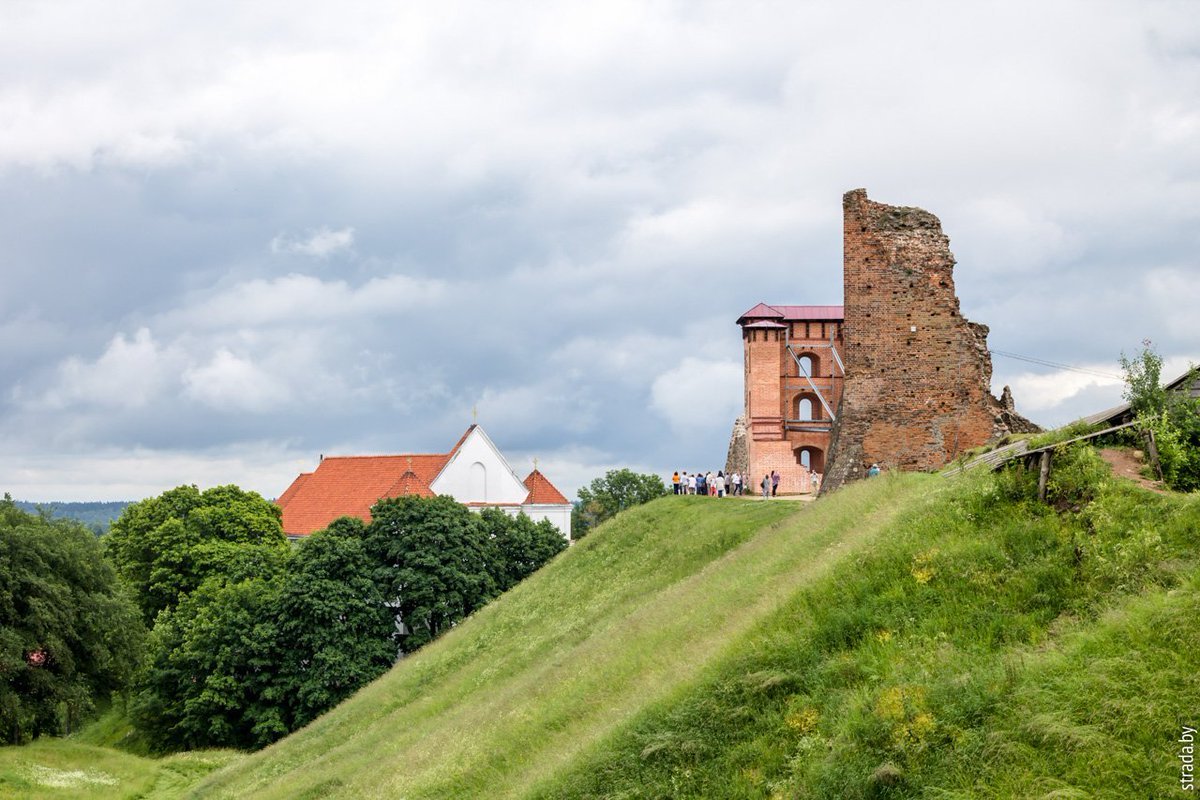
97	516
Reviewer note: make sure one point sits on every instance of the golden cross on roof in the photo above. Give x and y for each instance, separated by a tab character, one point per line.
474	414
535	463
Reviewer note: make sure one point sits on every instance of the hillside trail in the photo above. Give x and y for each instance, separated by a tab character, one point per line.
1125	464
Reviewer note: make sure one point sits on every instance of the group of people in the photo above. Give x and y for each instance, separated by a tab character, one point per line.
734	484
717	485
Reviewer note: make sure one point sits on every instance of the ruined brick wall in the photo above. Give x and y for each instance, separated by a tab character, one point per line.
738	458
918	374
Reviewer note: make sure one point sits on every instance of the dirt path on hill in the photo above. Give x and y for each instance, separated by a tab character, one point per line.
1125	465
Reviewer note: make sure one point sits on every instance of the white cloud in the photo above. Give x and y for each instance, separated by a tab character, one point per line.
138	472
1176	292
1044	393
321	243
131	373
300	300
230	383
699	394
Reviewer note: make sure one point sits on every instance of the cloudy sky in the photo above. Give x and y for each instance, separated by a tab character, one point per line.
237	235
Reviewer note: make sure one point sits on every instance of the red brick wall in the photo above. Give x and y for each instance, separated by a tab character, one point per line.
918	374
773	383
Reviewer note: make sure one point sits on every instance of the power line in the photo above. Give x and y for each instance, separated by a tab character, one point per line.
1056	365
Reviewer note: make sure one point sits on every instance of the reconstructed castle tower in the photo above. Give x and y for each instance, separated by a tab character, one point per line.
895	376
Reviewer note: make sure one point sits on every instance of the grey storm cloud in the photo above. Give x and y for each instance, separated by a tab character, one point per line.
240	236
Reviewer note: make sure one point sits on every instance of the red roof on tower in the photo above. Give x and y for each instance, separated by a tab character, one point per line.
778	314
542	491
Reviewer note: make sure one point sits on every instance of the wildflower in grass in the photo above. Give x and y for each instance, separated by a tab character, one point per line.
883	635
804	720
890	705
753	776
922	569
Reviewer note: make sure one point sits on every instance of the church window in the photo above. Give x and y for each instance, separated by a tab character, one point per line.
478	483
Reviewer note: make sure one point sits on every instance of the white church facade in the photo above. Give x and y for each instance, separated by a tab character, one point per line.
474	473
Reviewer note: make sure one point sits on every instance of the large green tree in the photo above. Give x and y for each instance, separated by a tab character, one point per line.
519	546
68	632
606	497
211	676
168	545
431	559
335	631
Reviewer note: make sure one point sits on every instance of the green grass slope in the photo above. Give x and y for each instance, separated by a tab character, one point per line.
909	636
986	647
630	617
64	769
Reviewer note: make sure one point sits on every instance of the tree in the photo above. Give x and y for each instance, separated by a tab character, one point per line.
431	563
68	632
212	669
1143	381
1174	417
334	629
519	546
606	497
168	545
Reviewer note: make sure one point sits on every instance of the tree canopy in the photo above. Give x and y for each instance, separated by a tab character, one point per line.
248	655
605	497
68	633
1174	417
166	546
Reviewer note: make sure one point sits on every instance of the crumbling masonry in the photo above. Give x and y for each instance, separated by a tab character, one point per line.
903	379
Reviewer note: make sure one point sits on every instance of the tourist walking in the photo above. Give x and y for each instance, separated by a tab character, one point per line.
766	486
774	483
720	484
675	481
736	479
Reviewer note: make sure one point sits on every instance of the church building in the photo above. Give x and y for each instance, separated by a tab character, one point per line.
474	473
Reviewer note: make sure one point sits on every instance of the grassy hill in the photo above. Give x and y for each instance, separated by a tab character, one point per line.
909	636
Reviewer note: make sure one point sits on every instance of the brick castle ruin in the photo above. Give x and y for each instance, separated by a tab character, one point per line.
895	376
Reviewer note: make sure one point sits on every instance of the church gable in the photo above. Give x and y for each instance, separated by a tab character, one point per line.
473	473
476	472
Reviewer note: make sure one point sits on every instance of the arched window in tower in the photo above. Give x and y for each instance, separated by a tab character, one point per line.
477	484
806	458
804	409
806	366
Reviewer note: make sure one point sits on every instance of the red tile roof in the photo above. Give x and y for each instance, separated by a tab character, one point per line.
347	486
762	311
801	313
542	491
290	492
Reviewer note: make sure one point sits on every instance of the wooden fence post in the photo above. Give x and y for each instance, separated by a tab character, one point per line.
1044	475
1152	452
